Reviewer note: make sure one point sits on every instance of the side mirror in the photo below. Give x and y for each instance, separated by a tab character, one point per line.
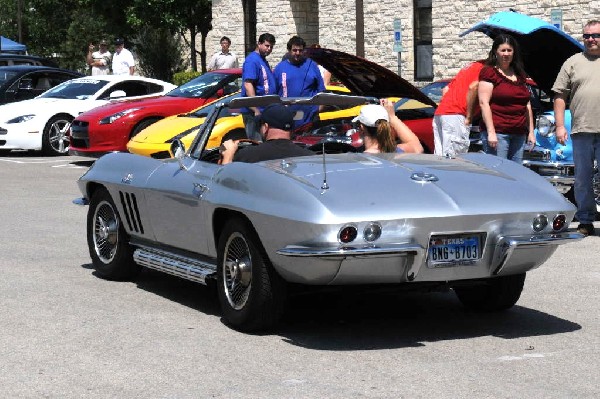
117	94
177	151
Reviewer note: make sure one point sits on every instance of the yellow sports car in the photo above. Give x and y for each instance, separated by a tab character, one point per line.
155	140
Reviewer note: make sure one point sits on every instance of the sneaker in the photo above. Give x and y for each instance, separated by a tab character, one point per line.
586	229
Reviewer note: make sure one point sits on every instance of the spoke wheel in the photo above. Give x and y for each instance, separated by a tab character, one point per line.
251	293
108	243
56	140
237	271
106	232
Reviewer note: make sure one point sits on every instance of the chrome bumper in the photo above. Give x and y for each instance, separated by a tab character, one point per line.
560	174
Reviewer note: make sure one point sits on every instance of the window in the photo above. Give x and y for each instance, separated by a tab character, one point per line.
423	40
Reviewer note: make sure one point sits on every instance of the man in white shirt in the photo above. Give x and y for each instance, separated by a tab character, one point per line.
122	62
99	60
223	59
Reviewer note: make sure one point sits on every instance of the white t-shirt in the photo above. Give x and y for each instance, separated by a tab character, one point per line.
121	62
105	59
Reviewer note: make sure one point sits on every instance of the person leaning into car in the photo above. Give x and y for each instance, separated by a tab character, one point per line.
258	80
504	99
275	124
578	83
454	114
380	128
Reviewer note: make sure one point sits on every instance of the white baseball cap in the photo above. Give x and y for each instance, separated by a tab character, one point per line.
370	114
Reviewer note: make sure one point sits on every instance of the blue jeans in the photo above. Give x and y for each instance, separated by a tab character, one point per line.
510	146
586	148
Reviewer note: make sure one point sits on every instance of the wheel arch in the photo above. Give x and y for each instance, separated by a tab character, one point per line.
221	216
145	123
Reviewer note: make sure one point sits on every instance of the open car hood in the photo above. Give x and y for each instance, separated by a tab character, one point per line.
544	47
365	78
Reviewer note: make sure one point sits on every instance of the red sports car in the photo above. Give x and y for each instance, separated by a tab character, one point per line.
108	128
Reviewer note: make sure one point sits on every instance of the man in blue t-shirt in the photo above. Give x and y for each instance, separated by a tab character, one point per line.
298	76
258	80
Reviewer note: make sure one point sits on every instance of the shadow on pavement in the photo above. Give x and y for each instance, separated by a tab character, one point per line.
349	319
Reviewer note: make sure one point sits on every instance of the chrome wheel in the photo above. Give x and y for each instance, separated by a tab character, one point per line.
237	271
58	139
105	232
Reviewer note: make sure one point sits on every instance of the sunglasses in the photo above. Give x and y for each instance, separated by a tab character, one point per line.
591	35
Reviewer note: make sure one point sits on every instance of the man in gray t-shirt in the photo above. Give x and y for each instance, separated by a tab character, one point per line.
578	83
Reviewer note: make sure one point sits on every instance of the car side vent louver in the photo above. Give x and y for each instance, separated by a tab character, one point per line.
132	213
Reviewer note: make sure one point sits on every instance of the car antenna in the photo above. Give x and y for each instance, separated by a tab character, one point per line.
324	186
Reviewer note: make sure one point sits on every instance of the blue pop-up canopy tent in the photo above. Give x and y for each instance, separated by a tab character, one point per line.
9	45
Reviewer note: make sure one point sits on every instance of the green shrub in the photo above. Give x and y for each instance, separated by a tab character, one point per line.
180	78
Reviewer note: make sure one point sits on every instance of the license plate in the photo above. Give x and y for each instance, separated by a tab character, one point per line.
454	250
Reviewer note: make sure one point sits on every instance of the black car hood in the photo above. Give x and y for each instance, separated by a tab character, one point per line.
365	78
544	47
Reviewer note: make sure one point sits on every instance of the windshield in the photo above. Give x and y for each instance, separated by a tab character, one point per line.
6	75
79	89
432	90
203	86
204	111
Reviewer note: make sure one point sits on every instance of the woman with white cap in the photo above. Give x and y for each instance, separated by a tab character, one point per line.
380	128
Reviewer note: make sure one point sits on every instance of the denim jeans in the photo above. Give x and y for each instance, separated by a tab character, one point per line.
586	148
510	146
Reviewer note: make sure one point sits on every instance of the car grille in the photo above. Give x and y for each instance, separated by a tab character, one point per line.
537	155
79	134
3	131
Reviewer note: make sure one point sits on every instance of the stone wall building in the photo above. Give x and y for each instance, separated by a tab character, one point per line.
429	29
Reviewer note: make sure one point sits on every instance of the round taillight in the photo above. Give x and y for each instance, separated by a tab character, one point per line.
347	234
559	222
539	223
372	232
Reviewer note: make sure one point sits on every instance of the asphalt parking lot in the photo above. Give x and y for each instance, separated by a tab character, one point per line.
66	333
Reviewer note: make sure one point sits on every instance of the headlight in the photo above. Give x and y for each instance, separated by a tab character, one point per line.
22	118
546	125
111	118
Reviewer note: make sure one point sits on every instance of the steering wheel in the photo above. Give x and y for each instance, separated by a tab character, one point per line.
214	154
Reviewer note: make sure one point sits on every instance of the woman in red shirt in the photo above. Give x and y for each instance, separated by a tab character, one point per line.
504	99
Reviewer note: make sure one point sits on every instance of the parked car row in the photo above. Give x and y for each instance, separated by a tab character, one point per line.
43	123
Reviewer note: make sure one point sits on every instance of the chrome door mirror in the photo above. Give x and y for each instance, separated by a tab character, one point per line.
177	151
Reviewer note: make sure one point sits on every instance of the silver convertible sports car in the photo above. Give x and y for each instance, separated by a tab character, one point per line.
475	223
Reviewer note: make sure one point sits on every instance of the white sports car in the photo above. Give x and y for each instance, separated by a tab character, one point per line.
42	123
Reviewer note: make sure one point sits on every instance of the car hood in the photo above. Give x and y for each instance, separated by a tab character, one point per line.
365	78
113	108
166	129
544	47
40	106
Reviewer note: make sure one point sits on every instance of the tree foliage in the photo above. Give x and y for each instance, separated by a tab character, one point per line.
63	29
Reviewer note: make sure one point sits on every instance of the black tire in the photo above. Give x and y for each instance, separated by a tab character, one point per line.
141	126
499	293
111	254
55	138
251	293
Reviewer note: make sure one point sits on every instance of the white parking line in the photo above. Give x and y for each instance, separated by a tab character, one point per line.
53	163
32	160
